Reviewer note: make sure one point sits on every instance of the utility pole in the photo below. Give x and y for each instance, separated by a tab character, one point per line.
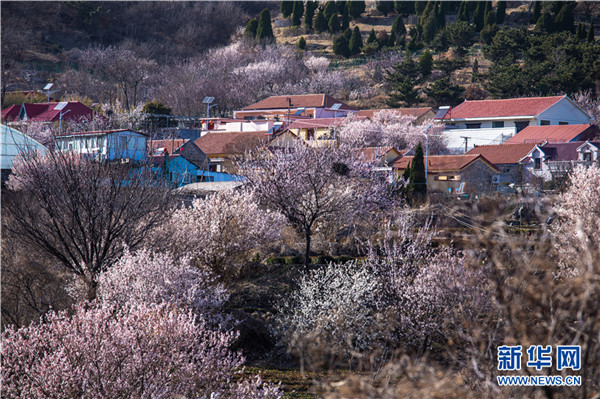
466	142
289	100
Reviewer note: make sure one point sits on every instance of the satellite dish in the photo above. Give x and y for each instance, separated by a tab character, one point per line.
335	106
61	106
48	86
208	100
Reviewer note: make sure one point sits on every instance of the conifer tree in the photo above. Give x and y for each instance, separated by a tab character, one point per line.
384	7
355	42
372	37
564	19
479	16
537	12
356	8
490	19
250	31
417	187
427	12
398	27
475	71
500	12
419	7
392	39
264	31
581	32
311	6
346	17
426	63
383	39
286	8
340	46
591	34
329	10
297	13
544	24
404	7
334	23
302	43
320	23
463	12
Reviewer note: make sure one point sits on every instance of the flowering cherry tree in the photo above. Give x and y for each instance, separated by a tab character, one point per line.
135	351
314	186
150	277
220	231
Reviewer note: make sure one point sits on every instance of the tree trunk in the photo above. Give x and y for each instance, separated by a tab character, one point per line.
307	252
92	288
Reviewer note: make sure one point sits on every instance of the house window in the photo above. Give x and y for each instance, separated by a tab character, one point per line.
537	163
506	170
587	156
473	125
498	124
544	122
310	134
441	178
563	123
521	125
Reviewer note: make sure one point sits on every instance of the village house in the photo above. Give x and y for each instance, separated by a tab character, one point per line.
288	108
555	134
486	122
222	148
180	162
454	174
12	144
106	145
549	161
46	112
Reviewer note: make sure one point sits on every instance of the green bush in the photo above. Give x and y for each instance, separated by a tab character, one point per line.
325	259
277	260
296	260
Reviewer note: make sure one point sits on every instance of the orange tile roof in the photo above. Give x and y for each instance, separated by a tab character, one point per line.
502	108
224	143
306	100
503	153
415	112
443	163
552	133
372	153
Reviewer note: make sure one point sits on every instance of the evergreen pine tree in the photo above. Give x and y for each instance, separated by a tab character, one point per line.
500	12
334	23
544	24
309	15
355	42
302	43
346	17
320	24
250	31
264	31
383	39
479	16
426	63
297	13
329	10
404	7
418	183
537	12
463	12
392	39
402	80
340	46
356	8
372	37
419	7
340	6
430	28
581	32
427	12
286	8
398	27
490	19
564	19
591	34
384	7
475	71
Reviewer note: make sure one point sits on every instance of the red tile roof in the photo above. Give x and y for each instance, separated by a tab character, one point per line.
443	163
553	133
373	153
215	143
306	100
502	108
45	112
414	112
503	153
10	114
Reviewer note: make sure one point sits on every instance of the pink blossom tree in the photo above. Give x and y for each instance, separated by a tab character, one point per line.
314	186
221	231
133	351
150	277
391	128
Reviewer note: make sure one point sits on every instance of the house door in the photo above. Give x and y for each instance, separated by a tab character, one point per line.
521	125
